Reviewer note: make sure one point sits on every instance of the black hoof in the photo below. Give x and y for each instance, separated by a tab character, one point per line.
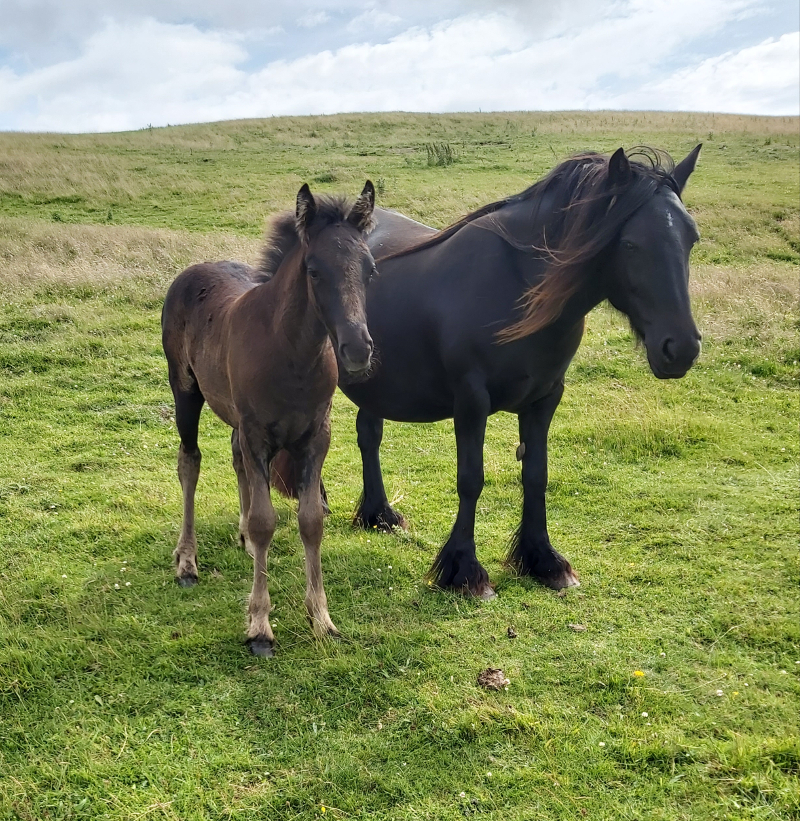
543	563
263	648
457	569
186	581
384	519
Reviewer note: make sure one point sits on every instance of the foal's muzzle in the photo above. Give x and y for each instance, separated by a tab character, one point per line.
355	350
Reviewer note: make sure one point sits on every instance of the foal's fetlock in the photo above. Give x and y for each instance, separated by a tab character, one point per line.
260	639
321	622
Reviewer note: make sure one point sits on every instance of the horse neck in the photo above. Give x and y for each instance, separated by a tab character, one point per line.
293	314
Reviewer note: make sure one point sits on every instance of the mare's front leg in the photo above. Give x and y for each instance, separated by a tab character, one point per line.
310	517
531	552
374	510
457	566
259	529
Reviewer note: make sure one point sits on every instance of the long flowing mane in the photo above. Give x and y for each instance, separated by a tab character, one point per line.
282	235
584	214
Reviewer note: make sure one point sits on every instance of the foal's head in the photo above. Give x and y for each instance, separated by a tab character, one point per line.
339	265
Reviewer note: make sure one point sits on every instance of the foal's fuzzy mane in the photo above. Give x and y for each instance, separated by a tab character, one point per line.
282	235
585	213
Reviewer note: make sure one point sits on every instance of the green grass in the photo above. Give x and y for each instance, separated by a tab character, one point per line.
123	696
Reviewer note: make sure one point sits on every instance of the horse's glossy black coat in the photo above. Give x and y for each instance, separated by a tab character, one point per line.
436	308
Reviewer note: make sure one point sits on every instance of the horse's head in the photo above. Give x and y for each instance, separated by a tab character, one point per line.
339	265
649	271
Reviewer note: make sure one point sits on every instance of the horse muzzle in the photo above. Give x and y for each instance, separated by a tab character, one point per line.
673	355
355	350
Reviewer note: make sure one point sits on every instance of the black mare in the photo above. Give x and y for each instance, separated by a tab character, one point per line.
486	316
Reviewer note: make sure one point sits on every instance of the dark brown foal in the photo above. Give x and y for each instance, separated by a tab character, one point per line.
261	347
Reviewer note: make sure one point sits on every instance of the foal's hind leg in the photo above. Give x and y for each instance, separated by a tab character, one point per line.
259	529
531	552
244	489
188	405
374	510
310	516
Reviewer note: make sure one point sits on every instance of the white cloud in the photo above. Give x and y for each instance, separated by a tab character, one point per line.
312	19
145	71
762	79
371	21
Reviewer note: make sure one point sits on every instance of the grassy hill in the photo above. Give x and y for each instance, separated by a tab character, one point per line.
123	696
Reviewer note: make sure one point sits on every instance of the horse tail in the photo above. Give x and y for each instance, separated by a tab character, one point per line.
283	474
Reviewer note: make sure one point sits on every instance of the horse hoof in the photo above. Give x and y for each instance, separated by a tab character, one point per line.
189	580
562	580
486	593
263	648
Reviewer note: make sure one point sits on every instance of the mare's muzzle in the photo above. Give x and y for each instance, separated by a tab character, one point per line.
672	355
355	349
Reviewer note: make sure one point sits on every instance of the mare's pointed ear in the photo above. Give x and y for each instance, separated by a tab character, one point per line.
619	169
360	214
685	167
305	212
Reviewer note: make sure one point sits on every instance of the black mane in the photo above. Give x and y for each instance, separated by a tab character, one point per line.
282	235
576	184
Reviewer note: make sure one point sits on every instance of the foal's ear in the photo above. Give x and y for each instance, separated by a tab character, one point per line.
619	169
360	214
305	212
685	167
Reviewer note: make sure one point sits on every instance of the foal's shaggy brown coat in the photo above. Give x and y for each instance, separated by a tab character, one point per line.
261	348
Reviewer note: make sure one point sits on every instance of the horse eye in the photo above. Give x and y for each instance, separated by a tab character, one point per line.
628	245
313	274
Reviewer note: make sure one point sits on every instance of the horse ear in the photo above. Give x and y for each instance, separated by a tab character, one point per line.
305	212
685	167
360	214
619	169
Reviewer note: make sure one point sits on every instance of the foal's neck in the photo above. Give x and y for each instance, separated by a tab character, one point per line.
294	315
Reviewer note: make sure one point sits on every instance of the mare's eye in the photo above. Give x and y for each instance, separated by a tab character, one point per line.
627	245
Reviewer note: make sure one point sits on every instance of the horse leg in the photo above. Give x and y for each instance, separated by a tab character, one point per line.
244	487
310	516
188	405
531	553
374	510
457	566
259	529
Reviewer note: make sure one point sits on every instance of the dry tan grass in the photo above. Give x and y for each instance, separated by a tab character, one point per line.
35	253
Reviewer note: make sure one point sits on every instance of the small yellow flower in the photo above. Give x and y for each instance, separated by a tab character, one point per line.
638	673
323	809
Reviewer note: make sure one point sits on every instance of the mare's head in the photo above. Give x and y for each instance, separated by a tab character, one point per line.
338	266
648	268
625	221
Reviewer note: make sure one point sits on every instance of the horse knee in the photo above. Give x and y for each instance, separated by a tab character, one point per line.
369	431
188	462
470	484
310	521
261	527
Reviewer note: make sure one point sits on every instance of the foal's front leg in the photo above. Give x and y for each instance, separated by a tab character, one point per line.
244	488
310	517
457	566
531	552
260	527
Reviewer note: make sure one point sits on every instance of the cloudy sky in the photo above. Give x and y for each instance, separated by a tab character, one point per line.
109	65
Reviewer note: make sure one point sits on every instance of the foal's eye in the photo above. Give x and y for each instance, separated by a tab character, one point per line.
313	273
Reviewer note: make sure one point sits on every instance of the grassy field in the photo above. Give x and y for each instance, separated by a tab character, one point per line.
123	696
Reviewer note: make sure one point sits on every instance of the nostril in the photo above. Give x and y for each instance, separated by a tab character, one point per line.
668	349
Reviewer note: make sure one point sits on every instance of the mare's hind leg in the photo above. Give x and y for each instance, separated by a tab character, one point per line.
310	516
531	552
374	510
457	567
244	488
188	405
